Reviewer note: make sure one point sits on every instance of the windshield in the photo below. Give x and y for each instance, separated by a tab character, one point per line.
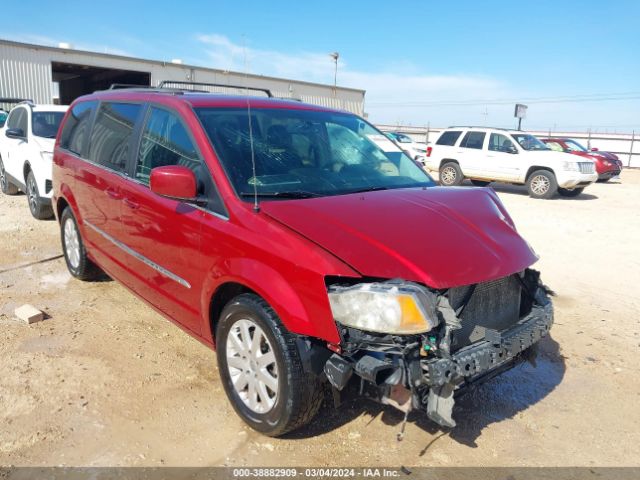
529	142
574	146
305	153
45	124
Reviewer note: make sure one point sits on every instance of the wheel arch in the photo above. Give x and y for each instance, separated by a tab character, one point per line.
312	317
448	160
26	168
535	169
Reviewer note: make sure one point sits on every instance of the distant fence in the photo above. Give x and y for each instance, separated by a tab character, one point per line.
625	145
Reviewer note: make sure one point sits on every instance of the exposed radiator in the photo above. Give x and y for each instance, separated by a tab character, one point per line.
494	305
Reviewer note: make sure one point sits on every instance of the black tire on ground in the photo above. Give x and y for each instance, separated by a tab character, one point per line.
6	186
450	174
542	184
40	208
75	254
480	183
297	395
604	180
570	193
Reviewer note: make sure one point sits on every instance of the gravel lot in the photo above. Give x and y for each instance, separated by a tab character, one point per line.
105	381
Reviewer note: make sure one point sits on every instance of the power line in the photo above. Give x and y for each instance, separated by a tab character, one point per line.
595	97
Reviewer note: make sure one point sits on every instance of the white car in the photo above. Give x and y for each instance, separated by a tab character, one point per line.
486	155
415	150
26	153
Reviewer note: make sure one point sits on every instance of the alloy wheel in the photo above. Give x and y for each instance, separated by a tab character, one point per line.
252	366
72	243
32	193
448	175
540	184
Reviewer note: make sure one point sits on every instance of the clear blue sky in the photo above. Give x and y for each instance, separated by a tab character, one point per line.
420	61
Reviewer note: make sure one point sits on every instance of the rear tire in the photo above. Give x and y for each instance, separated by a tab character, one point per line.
261	368
451	175
570	193
542	184
6	186
480	183
38	206
75	254
604	180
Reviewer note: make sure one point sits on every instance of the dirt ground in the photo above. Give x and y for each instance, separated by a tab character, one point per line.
105	381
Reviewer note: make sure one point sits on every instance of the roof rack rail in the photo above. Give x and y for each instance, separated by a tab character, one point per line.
204	84
479	126
15	100
118	86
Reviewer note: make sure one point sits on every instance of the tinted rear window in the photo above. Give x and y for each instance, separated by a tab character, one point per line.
448	138
76	127
473	140
111	135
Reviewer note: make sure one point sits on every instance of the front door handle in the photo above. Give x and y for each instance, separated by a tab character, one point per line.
113	193
131	204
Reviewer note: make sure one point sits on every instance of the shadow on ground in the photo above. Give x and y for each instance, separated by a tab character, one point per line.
478	406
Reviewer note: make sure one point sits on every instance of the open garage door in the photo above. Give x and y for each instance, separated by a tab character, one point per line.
76	80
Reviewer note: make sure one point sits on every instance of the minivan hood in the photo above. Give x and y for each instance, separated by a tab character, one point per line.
440	236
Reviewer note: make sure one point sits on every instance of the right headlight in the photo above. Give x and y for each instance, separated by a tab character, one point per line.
389	307
570	166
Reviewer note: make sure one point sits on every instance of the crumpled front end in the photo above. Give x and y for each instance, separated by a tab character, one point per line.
480	330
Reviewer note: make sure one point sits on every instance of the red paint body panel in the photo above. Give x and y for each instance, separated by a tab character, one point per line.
173	181
442	237
284	252
607	164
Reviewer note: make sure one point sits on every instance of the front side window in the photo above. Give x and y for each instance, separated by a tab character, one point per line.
305	153
555	146
574	146
449	138
75	131
18	119
112	134
529	142
473	140
45	124
500	143
165	141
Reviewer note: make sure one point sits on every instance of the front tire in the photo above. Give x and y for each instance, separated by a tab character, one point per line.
261	369
75	254
37	205
542	184
570	193
451	175
6	186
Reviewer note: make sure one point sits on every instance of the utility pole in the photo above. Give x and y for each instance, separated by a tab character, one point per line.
335	56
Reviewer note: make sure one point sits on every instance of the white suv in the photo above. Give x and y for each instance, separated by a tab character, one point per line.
26	152
415	150
486	155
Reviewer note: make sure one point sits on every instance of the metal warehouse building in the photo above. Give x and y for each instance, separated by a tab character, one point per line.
60	75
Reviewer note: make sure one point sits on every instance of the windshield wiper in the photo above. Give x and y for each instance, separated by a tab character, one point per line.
366	189
284	194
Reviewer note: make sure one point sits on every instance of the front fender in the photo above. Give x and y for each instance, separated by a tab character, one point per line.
303	310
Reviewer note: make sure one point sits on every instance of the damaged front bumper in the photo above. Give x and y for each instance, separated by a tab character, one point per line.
420	371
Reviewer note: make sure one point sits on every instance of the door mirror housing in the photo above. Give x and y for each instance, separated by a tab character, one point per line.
174	181
16	133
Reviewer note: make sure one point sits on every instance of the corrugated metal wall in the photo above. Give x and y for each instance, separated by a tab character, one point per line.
26	72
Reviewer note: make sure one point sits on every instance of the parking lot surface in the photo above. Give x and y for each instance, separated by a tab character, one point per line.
106	381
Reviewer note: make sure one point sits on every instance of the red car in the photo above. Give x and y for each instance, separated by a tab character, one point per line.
301	243
608	165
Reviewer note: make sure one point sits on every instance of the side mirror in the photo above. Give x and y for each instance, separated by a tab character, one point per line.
174	181
594	149
17	133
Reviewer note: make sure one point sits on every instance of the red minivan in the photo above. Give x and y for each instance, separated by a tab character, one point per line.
301	243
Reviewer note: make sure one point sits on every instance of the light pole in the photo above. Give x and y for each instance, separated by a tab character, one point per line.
335	56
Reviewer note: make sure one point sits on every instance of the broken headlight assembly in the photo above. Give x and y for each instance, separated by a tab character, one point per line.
394	307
